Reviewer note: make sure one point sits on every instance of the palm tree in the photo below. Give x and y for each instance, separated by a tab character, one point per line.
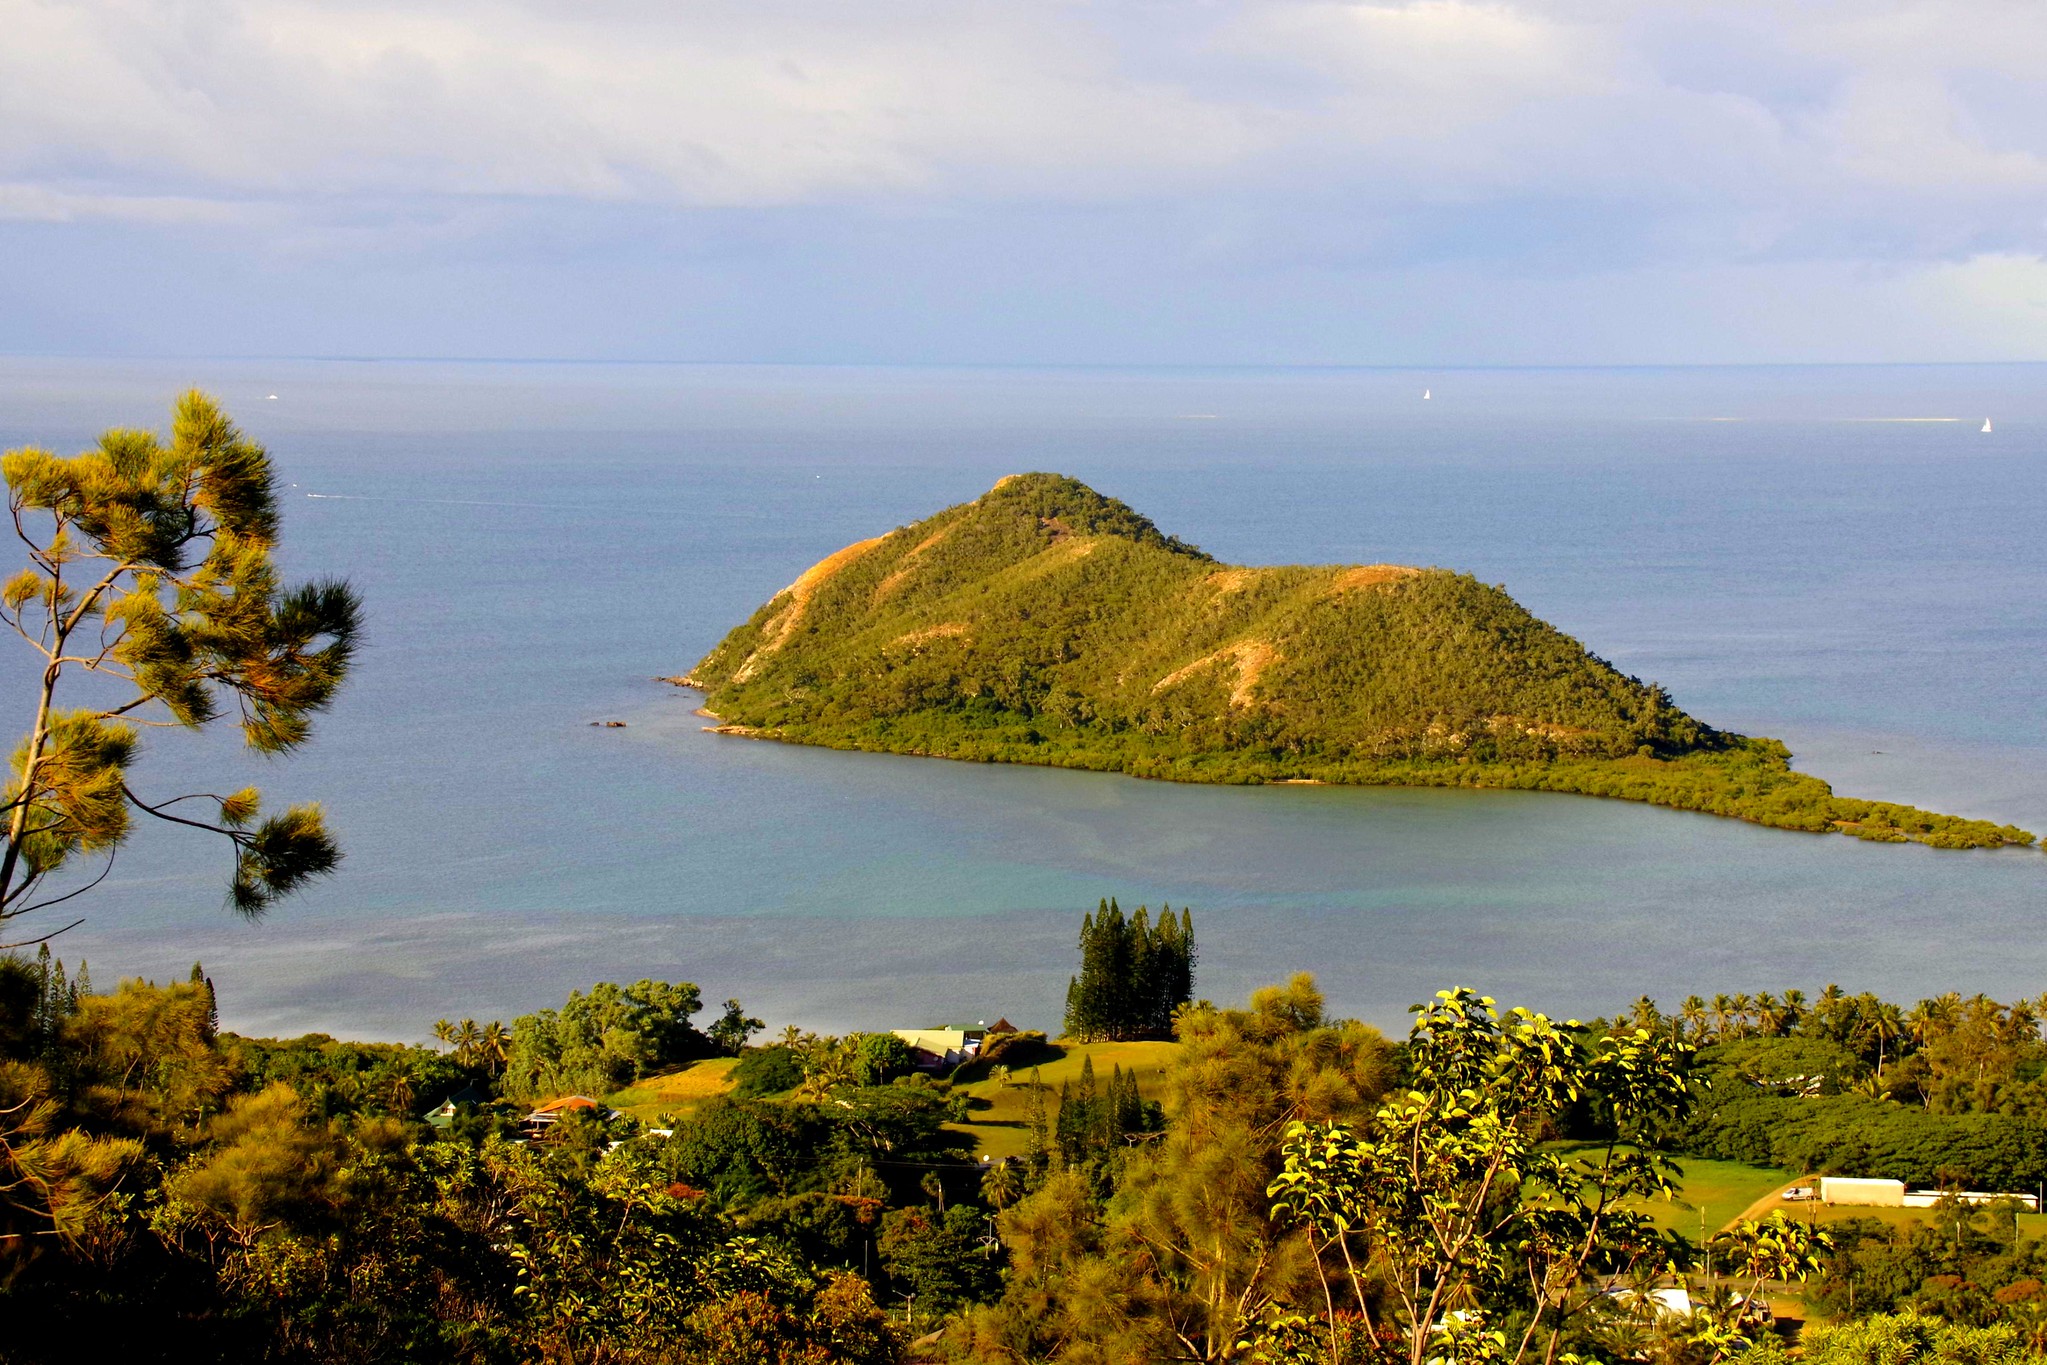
444	1032
1794	1008
1693	1012
1885	1022
468	1038
1769	1015
1743	1008
494	1046
1001	1185
1723	1009
934	1185
829	1063
1833	1004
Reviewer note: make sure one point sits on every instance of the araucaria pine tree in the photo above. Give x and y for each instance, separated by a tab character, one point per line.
150	568
1133	974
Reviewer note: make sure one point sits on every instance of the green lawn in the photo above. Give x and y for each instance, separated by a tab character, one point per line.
675	1092
1000	1120
1717	1191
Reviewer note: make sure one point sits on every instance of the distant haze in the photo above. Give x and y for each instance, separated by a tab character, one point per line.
973	181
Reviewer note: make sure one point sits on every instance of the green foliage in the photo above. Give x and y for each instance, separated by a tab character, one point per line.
1964	1264
746	1150
742	1150
1448	1192
729	1032
936	1261
337	1078
767	1071
151	567
1181	1256
166	1194
603	1041
1047	624
883	1058
1094	1124
1923	1341
1856	1135
1133	974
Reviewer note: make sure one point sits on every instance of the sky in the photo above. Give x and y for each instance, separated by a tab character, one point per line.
1108	182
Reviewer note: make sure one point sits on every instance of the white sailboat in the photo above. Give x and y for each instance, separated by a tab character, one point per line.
1986	426
1425	393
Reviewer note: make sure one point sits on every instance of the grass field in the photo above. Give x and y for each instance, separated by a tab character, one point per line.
675	1092
1000	1118
1716	1191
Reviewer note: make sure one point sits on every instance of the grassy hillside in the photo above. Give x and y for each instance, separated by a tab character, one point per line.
1000	1116
675	1093
1045	623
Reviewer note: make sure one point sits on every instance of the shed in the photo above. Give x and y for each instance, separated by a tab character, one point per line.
1842	1189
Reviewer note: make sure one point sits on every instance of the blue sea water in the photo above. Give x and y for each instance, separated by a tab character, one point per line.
536	543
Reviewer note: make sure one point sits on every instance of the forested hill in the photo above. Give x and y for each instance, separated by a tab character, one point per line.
1046	623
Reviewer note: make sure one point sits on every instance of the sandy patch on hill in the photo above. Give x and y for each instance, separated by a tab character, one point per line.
1223	582
1249	659
777	632
887	587
1369	576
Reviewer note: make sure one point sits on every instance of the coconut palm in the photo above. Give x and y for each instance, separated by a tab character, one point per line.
1693	1013
494	1047
828	1064
1886	1022
468	1040
1001	1185
1794	1008
1832	1009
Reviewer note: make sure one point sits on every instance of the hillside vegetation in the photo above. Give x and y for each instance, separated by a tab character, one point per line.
1046	623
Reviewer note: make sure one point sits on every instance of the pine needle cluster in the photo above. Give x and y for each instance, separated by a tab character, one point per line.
151	569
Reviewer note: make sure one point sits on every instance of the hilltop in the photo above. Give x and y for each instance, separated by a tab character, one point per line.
1045	623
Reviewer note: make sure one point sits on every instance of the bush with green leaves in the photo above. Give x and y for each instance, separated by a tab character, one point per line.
599	1042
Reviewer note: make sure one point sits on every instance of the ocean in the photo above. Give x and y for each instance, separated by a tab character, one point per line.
1799	552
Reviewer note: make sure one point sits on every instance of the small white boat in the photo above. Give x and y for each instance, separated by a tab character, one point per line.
1986	425
1425	393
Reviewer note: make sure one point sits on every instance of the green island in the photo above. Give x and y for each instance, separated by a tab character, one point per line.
1045	623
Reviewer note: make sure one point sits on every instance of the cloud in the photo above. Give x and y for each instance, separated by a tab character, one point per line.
707	104
42	204
1491	141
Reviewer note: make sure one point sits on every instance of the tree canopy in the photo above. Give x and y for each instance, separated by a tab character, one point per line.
151	569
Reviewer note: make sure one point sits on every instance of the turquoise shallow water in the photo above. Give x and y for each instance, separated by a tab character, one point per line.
536	543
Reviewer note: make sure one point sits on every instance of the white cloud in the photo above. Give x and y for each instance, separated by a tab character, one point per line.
701	103
1894	150
42	204
760	102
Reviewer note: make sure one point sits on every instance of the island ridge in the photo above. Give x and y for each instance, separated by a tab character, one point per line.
1046	623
